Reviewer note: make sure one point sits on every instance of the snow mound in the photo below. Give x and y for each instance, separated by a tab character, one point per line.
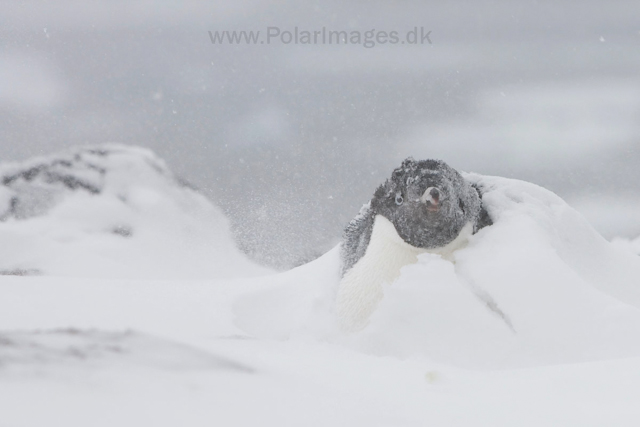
23	353
538	287
111	211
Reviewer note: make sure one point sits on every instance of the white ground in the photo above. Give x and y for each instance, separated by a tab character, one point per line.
537	323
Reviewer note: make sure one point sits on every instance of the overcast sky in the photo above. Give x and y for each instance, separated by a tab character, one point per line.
291	139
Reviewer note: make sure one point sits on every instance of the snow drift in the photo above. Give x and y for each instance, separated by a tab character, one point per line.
538	287
111	211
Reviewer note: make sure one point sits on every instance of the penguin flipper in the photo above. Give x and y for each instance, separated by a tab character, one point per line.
356	237
484	219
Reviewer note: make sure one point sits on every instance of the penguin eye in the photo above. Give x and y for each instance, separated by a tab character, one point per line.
399	199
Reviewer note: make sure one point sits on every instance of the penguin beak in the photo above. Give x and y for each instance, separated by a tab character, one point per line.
431	198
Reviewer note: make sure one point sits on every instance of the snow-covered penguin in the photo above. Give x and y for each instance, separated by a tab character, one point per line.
426	206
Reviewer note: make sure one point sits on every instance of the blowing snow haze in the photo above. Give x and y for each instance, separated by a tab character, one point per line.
291	139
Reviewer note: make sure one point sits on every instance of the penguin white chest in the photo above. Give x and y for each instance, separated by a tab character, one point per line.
361	288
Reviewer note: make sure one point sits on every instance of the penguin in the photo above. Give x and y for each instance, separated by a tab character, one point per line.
426	206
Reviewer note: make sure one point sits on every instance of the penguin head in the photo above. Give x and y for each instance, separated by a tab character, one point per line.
427	201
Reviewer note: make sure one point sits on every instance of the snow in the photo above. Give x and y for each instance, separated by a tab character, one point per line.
112	211
535	322
627	244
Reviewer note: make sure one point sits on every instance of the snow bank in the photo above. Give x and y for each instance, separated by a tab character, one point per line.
539	287
111	211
